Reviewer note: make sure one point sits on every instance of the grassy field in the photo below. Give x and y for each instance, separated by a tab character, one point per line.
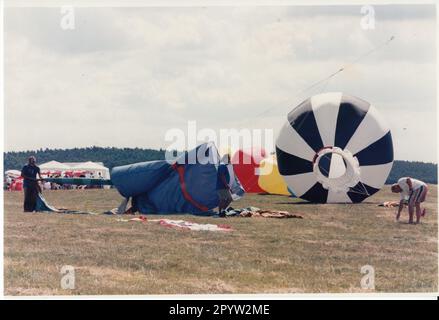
321	253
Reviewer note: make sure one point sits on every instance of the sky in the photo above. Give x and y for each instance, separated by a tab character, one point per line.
124	77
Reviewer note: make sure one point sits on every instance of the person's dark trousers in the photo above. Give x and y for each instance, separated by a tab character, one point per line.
30	197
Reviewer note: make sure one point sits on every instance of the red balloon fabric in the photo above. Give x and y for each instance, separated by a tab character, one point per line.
245	164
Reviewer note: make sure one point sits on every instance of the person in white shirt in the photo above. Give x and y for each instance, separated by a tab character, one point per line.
47	185
415	192
8	182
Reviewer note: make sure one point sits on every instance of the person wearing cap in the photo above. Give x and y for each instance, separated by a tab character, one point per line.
30	184
415	192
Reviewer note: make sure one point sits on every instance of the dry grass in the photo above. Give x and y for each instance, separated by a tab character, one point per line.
321	253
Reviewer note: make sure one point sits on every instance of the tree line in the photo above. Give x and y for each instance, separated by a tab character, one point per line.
112	157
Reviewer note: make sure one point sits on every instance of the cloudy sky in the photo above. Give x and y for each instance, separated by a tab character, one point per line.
124	76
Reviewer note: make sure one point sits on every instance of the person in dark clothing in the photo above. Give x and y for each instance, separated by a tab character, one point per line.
223	188
30	184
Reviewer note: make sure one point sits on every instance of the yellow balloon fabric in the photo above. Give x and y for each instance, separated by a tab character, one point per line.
270	179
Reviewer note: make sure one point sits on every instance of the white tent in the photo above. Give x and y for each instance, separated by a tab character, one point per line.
54	165
88	166
93	167
13	173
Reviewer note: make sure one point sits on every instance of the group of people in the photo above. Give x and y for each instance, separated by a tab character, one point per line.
33	183
8	182
46	185
412	191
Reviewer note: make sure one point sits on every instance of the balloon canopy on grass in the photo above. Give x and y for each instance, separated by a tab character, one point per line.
246	164
187	185
270	179
335	148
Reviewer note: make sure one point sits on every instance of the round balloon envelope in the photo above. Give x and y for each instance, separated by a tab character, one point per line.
334	148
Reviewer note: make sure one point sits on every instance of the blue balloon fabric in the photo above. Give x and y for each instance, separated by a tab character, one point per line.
187	185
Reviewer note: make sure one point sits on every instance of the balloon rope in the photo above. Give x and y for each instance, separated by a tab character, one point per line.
325	79
360	192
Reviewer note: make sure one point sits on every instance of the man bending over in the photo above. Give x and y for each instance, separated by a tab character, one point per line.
415	191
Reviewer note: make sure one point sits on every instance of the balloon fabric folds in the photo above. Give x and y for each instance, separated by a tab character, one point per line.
186	185
246	166
270	179
334	148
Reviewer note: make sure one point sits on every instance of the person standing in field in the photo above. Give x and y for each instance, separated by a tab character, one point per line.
30	184
415	192
223	187
8	183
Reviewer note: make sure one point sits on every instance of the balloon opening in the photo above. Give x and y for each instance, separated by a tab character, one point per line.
332	165
336	169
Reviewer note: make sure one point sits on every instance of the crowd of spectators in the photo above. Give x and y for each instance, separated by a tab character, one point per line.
15	183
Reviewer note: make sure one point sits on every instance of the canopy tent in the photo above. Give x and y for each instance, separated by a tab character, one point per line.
72	167
75	173
54	166
87	166
14	180
93	167
13	173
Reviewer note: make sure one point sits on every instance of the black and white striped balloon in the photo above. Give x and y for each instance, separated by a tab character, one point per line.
334	148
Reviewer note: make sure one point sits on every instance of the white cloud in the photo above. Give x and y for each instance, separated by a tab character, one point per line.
125	76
